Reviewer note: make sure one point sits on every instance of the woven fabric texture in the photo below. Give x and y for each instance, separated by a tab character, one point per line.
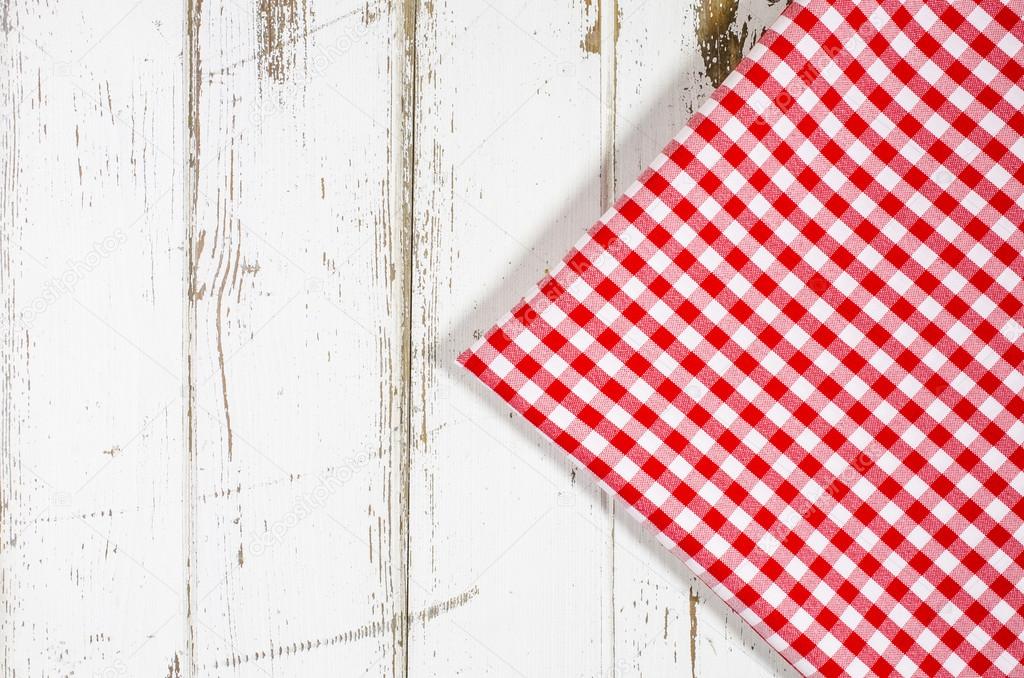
794	347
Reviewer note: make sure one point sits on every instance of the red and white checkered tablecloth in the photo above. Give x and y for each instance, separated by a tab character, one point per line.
794	347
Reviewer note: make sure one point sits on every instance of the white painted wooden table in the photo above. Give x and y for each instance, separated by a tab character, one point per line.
242	242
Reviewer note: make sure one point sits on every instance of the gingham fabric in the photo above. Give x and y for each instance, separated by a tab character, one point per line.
794	347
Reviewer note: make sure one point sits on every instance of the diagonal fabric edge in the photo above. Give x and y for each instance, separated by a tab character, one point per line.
861	171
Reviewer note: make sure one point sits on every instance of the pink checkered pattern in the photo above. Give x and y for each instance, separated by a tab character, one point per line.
794	347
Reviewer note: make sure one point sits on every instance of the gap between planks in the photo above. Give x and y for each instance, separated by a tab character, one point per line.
608	21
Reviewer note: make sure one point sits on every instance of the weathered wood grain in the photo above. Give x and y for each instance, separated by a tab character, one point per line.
241	245
509	127
297	356
90	340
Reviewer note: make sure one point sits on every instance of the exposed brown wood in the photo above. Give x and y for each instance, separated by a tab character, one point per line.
194	244
723	36
282	28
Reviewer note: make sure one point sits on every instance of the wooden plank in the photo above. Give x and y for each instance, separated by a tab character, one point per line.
670	55
222	338
296	355
509	128
90	340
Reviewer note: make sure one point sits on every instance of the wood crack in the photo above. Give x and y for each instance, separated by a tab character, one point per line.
404	176
193	247
373	629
